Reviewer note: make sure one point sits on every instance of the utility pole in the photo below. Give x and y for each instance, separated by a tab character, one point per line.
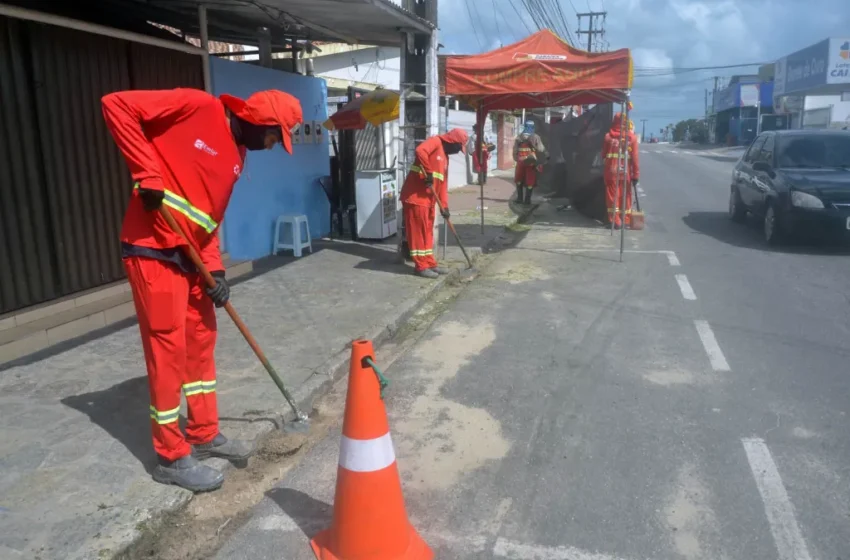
595	26
642	131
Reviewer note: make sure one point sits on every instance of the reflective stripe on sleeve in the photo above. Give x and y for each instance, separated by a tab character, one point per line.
366	455
183	206
165	416
439	176
421	253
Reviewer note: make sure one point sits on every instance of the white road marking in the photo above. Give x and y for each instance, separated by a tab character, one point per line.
780	512
641	191
709	342
673	259
516	551
685	286
673	152
466	544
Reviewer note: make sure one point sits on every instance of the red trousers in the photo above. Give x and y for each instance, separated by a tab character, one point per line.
178	327
526	174
614	197
419	228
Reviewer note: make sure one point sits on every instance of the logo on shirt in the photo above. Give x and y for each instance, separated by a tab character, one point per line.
201	145
237	170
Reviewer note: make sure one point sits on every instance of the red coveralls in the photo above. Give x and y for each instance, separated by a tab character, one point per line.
485	158
614	165
418	199
180	142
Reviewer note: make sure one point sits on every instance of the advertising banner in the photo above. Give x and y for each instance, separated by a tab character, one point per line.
839	61
808	68
749	95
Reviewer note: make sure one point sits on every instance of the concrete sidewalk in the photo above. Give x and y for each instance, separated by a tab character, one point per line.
76	452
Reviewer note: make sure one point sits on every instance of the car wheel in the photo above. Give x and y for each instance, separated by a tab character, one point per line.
772	227
737	210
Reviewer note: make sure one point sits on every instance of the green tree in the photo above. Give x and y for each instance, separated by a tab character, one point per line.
693	129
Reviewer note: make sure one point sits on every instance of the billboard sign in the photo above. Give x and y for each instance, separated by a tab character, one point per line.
749	95
808	68
839	61
779	76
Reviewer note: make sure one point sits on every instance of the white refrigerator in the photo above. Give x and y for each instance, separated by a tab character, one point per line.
376	194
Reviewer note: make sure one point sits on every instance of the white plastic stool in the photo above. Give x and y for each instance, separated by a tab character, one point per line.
297	244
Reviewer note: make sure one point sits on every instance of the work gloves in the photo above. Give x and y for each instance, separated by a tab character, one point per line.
220	295
151	199
444	212
635	182
429	180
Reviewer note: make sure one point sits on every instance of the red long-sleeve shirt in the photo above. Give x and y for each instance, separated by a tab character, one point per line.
431	159
179	142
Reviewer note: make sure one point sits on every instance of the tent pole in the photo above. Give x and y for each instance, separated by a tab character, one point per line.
478	144
626	186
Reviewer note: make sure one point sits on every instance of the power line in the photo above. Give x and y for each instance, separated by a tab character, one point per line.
496	21
518	15
652	71
472	23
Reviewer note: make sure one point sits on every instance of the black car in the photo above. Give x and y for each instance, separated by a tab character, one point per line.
798	181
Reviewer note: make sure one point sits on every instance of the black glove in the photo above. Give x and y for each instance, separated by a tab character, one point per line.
429	180
221	293
151	199
444	212
634	182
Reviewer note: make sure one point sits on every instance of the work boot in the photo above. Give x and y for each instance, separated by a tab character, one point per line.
220	446
440	270
519	193
527	200
186	472
427	273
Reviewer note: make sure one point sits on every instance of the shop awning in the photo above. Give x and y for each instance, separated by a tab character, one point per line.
539	71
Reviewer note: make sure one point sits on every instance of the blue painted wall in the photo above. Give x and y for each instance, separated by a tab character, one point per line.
273	182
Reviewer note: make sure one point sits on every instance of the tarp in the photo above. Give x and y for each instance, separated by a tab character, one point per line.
539	71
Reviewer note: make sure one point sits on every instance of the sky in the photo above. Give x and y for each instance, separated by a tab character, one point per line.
663	34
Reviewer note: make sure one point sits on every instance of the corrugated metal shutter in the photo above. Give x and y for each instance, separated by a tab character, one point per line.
156	68
63	183
27	271
85	177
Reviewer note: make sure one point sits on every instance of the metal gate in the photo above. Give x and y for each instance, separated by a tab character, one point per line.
63	184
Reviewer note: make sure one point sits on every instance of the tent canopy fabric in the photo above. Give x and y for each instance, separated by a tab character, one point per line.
542	70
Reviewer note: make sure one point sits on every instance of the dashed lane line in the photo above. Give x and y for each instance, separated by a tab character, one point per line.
709	342
780	512
685	287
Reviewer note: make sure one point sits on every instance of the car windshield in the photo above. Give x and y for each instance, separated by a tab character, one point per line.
814	151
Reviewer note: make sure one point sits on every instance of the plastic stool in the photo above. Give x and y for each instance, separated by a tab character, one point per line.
297	244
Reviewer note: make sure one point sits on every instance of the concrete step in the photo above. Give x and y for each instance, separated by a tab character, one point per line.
40	327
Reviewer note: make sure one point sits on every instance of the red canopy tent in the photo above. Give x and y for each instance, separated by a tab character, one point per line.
540	71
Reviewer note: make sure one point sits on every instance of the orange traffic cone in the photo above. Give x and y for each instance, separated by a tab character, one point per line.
369	521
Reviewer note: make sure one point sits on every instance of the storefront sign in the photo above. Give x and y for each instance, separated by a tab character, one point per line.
749	95
809	68
726	98
839	61
779	71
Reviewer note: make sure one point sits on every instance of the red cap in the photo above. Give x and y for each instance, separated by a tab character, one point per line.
270	107
456	136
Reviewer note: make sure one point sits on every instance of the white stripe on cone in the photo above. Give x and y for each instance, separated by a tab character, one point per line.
366	455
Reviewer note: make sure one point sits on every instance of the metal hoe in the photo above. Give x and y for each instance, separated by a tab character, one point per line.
470	268
301	420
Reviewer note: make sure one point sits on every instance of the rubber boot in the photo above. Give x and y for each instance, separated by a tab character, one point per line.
220	446
440	270
427	273
519	188
186	472
527	200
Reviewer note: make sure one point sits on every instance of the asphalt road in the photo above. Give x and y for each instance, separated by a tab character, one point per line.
688	403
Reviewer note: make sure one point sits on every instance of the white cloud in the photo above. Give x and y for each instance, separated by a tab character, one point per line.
668	33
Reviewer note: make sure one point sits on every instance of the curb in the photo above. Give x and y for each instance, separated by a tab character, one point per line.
316	386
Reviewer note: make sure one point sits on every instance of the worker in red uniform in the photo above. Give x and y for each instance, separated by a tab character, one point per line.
529	155
615	164
424	185
186	149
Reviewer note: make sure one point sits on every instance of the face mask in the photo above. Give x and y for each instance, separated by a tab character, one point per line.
250	135
451	148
